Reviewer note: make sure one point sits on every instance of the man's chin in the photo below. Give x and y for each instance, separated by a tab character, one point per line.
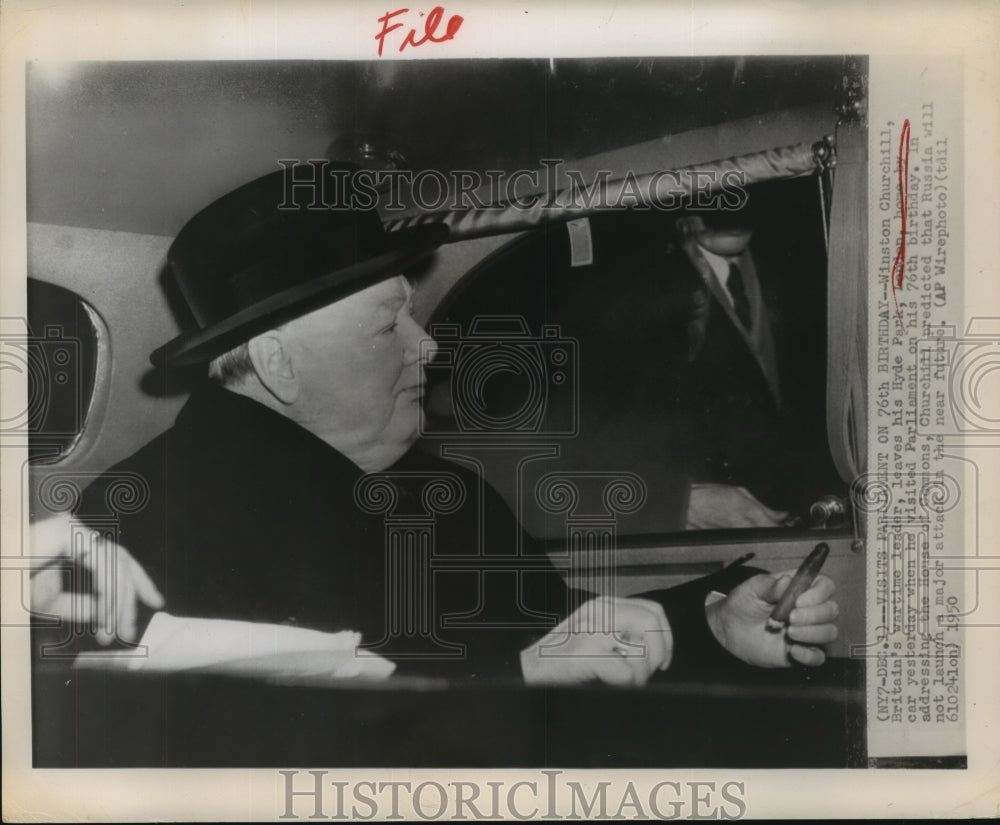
725	242
417	426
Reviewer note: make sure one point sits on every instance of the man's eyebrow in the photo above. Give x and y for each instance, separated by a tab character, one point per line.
388	308
394	302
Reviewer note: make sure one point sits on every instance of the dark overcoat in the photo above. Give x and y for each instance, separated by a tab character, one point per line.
239	513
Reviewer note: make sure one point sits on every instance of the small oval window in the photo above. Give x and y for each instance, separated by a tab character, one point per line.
60	355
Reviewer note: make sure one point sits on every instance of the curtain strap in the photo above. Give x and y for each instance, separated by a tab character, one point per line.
847	305
666	188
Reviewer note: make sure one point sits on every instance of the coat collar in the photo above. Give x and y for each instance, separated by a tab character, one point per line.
216	416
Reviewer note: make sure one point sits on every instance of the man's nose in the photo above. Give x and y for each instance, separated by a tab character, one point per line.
420	346
428	346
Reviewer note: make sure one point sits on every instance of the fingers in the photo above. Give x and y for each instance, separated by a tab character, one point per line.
643	654
118	583
623	640
145	590
777	589
810	656
72	607
46	586
48	539
643	623
820	590
761	591
616	670
584	657
820	614
622	660
120	618
590	656
812	624
108	585
657	637
813	634
132	586
634	657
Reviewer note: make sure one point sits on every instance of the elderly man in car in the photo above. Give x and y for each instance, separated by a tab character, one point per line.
287	491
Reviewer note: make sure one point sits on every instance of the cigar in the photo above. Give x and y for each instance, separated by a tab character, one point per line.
800	583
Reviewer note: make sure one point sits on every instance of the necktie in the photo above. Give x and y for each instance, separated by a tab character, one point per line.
738	290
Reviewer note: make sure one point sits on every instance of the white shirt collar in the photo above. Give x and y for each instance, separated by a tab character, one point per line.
718	264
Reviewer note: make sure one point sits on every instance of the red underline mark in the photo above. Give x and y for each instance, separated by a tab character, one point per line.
903	179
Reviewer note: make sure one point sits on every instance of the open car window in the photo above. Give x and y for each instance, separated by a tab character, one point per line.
598	348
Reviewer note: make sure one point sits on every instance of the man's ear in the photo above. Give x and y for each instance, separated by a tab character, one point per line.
275	368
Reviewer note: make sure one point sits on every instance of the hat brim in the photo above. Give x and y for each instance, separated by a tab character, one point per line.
198	346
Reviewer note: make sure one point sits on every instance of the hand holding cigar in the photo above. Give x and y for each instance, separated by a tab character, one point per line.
801	582
773	621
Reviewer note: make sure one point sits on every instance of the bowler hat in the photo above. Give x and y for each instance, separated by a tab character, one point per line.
279	247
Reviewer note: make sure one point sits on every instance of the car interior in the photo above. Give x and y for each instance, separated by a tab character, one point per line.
593	342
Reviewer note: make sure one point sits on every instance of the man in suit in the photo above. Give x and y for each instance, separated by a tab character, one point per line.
260	506
752	387
722	417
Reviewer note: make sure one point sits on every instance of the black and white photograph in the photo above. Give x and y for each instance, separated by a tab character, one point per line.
370	487
489	412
